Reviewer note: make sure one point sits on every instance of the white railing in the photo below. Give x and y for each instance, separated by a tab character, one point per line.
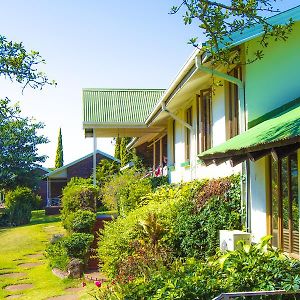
53	201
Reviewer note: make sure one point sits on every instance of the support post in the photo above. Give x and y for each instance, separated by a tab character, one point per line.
94	157
160	152
48	203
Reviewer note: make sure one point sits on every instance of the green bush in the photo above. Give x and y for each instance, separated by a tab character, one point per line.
19	203
125	191
251	268
57	255
81	221
190	229
78	195
77	245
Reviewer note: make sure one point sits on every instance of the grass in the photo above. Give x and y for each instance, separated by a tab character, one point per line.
16	244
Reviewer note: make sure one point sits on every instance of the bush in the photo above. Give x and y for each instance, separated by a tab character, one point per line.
190	229
251	268
19	204
81	221
125	191
62	250
57	254
77	245
78	196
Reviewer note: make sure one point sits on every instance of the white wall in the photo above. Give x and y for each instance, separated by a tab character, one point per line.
196	170
258	195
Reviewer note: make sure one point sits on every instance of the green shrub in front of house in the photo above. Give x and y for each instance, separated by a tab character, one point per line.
78	195
61	251
18	205
250	268
82	221
125	191
191	214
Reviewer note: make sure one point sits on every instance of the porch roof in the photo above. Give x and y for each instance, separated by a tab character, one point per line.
279	133
118	106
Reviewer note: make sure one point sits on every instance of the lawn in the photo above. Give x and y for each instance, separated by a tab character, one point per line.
26	244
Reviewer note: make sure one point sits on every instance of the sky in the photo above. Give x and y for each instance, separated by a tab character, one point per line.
93	44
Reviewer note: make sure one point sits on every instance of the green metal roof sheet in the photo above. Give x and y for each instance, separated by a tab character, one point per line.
283	127
118	106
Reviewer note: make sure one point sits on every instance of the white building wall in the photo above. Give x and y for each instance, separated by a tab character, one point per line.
195	170
258	194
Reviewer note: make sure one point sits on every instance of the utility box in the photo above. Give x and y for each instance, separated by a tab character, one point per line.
229	239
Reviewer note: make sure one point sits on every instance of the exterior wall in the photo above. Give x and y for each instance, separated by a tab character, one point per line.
274	80
195	170
258	194
270	83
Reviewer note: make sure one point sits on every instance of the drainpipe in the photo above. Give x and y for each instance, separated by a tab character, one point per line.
242	119
185	124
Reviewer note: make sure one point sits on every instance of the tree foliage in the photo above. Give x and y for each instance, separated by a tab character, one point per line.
221	20
19	141
20	65
59	159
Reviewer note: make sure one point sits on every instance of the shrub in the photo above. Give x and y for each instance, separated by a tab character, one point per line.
77	245
77	196
125	191
250	268
215	205
57	254
63	249
19	203
189	229
116	239
81	221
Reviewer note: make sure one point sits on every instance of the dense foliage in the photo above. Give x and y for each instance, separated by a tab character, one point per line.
125	191
81	221
79	194
189	216
251	268
18	147
62	250
18	205
59	158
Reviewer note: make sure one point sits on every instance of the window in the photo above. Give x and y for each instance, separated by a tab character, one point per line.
188	118
232	124
283	206
205	121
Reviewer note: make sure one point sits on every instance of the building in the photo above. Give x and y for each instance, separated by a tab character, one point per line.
249	123
83	167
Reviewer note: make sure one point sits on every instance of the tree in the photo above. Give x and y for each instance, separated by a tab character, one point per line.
20	65
18	144
221	20
18	135
125	154
59	159
117	147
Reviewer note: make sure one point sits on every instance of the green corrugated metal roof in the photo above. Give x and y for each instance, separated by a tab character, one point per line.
118	106
283	127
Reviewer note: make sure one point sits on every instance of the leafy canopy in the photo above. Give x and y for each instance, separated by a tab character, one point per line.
221	20
18	147
20	65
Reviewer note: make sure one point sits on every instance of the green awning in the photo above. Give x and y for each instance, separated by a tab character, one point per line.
279	131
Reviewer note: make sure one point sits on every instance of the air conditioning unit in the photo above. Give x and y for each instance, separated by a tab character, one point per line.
229	239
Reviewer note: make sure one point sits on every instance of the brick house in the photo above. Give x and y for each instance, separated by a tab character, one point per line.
57	179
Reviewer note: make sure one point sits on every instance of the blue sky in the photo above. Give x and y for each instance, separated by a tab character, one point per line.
95	43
